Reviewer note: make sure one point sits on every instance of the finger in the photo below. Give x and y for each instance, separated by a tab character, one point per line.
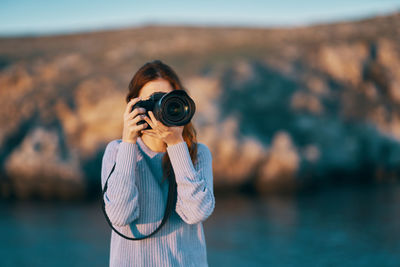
143	126
140	127
150	131
132	102
150	122
134	122
156	122
138	118
135	112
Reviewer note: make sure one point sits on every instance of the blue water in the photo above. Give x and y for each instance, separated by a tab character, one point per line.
347	226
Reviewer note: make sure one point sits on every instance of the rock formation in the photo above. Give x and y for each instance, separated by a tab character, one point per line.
278	108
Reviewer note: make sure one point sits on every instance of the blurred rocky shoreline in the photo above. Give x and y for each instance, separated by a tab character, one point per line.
280	109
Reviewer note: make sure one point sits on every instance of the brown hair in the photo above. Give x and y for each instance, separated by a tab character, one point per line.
151	71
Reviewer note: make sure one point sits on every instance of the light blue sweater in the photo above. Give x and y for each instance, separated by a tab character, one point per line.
135	203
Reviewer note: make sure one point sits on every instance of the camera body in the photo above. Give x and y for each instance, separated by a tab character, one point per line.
175	108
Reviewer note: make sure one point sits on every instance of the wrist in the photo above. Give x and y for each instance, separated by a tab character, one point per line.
131	141
175	141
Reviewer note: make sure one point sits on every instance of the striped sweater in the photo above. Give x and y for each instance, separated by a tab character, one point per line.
135	203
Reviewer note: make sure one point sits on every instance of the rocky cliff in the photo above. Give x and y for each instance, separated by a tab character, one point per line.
278	108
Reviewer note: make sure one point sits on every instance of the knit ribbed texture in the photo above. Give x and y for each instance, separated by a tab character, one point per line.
136	198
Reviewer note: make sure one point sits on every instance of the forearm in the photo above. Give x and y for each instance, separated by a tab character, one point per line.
121	197
195	199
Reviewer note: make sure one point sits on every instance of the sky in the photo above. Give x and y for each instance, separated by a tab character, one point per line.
46	17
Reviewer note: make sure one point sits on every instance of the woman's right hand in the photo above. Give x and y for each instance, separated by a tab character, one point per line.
131	130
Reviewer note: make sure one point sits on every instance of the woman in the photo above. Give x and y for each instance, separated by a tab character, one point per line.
137	192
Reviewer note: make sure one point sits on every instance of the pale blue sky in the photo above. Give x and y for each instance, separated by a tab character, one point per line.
19	17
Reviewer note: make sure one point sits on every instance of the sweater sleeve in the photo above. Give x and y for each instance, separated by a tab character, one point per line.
195	199
121	197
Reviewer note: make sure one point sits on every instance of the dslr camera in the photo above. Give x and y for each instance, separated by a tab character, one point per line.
175	108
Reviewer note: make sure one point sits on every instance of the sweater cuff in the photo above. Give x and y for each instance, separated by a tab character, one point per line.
180	160
126	160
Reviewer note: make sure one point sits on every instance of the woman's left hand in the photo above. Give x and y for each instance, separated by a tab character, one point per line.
170	135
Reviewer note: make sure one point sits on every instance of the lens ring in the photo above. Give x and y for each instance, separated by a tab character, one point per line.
186	105
181	105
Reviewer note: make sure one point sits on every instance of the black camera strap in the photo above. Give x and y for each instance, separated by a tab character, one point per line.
171	202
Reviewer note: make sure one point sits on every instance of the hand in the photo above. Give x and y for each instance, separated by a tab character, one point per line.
131	129
170	135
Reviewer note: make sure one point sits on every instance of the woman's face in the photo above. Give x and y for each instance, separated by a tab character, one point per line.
159	85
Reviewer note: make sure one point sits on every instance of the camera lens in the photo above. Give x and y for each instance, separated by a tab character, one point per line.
177	108
174	109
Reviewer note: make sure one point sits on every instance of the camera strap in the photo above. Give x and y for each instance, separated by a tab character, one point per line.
171	202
